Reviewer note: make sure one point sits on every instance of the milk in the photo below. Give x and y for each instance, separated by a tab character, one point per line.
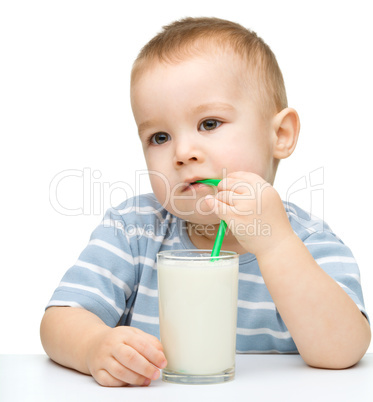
198	314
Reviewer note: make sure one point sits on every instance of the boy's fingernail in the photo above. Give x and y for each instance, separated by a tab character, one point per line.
163	364
146	382
155	375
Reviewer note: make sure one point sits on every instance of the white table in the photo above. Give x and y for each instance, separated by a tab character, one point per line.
258	378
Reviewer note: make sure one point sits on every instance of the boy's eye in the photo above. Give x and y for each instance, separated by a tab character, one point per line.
159	138
210	124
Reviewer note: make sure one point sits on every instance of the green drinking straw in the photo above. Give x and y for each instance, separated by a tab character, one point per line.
222	227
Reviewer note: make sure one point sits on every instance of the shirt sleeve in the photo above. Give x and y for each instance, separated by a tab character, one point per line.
103	279
337	260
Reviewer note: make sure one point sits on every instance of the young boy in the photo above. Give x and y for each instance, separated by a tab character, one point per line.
209	101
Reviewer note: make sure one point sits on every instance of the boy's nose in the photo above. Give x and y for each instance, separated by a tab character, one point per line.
187	152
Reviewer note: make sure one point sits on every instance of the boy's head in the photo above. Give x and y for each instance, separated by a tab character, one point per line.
196	36
209	99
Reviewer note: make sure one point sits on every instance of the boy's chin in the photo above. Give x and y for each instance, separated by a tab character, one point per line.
199	211
199	219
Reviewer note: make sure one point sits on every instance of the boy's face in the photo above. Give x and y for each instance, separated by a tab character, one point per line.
197	119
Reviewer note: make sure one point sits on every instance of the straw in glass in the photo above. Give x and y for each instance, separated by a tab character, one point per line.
222	227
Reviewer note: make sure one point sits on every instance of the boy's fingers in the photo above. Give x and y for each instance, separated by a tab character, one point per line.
126	374
149	339
132	361
149	347
238	185
226	197
230	199
104	378
217	206
211	203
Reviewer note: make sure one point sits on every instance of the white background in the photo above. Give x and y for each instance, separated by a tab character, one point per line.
64	105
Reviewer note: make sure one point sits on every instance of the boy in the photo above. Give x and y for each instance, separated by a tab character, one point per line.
209	101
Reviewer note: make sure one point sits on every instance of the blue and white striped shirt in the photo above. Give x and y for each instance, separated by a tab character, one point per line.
115	276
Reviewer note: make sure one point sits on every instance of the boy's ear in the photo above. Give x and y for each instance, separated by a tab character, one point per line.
286	127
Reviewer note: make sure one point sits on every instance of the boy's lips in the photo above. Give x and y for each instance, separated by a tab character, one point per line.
191	184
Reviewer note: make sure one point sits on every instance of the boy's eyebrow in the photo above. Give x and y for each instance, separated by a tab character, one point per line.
143	126
212	106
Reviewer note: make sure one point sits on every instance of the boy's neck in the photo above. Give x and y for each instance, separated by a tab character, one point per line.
203	237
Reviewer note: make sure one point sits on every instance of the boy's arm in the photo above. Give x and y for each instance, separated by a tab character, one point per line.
325	323
78	339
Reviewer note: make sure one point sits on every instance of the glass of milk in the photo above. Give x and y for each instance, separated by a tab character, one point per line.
198	315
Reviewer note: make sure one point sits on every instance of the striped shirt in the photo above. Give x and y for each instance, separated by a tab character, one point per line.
115	276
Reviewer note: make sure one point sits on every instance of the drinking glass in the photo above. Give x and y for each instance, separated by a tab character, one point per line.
198	315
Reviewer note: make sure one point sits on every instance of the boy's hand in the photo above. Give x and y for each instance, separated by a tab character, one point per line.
123	356
253	211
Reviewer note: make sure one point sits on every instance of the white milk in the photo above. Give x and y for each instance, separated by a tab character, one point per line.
198	314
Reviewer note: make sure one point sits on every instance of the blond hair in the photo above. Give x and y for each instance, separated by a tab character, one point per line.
189	36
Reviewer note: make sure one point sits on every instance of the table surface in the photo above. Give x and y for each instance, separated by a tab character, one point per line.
258	378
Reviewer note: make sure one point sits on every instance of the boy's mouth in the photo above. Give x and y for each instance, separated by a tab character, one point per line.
192	184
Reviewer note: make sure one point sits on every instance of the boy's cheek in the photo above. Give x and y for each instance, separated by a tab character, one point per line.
160	185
